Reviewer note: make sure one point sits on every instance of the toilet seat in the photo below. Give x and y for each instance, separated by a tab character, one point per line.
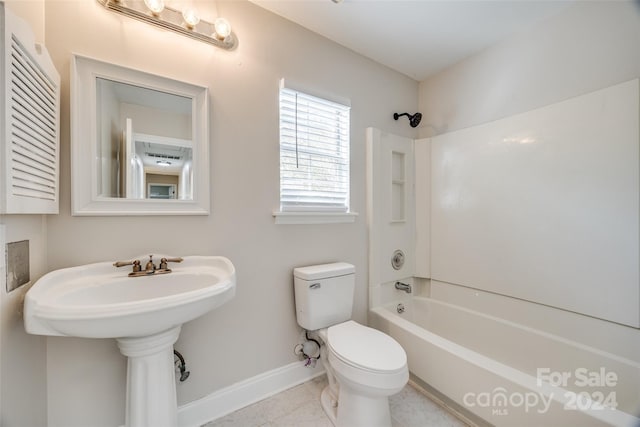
366	349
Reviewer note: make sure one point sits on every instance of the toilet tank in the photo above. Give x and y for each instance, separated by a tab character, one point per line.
324	294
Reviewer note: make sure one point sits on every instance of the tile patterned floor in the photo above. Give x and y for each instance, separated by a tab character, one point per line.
300	407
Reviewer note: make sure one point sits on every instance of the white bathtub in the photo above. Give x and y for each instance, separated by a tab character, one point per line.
509	374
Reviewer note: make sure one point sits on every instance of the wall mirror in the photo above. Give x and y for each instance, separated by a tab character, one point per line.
139	142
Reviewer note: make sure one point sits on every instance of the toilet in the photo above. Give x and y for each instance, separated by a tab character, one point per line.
364	366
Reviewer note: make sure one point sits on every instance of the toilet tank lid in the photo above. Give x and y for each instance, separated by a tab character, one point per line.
324	271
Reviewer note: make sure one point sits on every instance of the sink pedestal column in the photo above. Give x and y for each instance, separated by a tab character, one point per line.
151	386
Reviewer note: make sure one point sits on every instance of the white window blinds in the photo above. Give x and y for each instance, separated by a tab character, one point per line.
314	153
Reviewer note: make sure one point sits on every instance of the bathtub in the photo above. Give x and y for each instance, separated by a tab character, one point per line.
509	374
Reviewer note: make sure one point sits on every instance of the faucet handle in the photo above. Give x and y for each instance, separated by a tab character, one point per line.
164	261
135	263
123	263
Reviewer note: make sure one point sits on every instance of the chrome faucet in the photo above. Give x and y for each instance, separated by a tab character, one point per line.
403	287
149	268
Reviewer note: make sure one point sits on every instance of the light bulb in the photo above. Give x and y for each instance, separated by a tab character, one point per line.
155	6
222	27
191	17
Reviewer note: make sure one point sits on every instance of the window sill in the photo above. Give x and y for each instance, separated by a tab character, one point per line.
314	217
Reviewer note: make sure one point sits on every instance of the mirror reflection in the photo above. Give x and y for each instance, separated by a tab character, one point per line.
144	142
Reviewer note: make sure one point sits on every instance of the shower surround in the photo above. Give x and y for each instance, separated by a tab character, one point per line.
513	223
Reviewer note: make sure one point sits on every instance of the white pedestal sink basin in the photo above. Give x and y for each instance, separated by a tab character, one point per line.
144	314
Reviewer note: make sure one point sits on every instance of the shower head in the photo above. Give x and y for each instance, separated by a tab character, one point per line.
414	120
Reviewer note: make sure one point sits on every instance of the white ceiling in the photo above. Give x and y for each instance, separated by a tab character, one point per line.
415	37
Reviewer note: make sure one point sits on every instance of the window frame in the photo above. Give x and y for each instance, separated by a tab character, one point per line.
292	214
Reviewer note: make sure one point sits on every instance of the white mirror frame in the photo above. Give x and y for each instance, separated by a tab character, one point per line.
85	200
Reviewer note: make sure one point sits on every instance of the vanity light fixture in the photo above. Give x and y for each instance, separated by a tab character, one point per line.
190	16
222	29
186	22
155	6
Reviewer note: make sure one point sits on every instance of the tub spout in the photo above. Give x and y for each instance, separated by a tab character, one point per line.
403	287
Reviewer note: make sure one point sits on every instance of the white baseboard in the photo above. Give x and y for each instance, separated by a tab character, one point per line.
244	393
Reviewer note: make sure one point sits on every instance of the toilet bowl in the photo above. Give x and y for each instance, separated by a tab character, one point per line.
367	367
364	366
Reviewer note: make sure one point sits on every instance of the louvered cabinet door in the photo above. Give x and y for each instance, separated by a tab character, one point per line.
30	123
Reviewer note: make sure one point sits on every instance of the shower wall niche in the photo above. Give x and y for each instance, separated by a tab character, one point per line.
398	200
398	187
391	207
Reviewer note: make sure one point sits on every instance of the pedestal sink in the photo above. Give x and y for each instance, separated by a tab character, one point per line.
144	314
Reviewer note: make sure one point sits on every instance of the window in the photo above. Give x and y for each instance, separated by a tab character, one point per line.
314	154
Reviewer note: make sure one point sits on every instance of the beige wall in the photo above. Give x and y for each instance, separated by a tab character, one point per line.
23	356
257	331
32	11
23	399
588	46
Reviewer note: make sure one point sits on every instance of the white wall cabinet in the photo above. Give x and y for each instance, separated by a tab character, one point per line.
29	122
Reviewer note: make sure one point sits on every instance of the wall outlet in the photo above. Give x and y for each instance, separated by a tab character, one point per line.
17	264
